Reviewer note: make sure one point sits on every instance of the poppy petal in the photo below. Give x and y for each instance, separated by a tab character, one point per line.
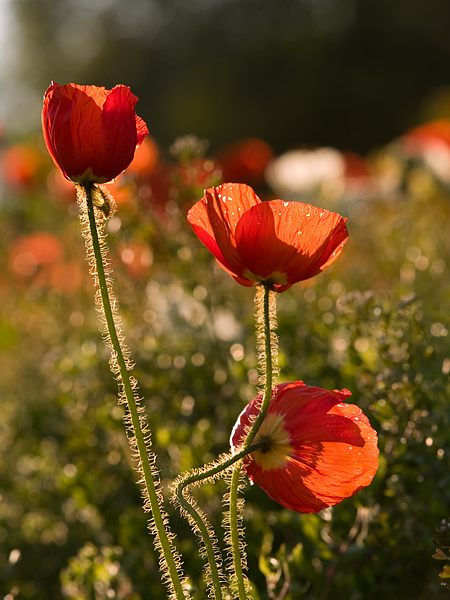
91	133
290	238
214	220
274	242
330	449
287	487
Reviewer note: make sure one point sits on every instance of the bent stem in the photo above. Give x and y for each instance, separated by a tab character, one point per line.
267	346
197	518
135	420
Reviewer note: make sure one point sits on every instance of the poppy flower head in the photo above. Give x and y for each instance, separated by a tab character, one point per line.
274	242
90	132
319	449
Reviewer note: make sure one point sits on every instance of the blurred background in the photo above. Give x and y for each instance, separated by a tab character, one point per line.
344	104
347	73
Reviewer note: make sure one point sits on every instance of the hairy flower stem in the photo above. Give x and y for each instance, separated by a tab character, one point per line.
267	342
197	518
135	419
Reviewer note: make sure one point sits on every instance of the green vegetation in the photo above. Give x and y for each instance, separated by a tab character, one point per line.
71	522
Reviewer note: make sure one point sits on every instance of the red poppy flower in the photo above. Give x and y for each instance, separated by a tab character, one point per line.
90	132
273	242
321	449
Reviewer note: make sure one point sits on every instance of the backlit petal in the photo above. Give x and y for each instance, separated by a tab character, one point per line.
90	132
214	220
330	448
274	242
289	237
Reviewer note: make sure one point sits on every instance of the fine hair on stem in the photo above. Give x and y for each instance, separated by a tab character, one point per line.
96	205
267	345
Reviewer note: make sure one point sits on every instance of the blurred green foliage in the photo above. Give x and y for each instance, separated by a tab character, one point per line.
71	522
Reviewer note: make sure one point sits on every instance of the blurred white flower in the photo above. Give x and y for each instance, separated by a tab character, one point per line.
303	171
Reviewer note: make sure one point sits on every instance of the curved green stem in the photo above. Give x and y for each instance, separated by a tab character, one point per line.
267	376
198	518
169	559
209	472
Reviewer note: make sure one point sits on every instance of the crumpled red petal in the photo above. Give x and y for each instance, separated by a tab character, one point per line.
90	132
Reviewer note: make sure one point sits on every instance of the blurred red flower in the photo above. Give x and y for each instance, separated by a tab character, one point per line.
90	132
29	252
430	143
245	160
274	242
321	450
20	165
433	131
146	161
39	259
